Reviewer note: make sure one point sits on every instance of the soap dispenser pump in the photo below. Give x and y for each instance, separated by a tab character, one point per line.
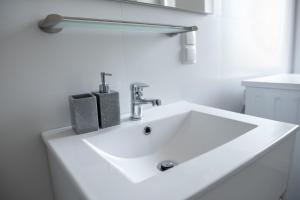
104	88
107	104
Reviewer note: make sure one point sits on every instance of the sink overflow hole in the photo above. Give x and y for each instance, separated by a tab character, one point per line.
166	164
147	130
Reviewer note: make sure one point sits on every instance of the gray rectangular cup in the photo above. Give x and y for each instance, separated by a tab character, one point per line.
84	114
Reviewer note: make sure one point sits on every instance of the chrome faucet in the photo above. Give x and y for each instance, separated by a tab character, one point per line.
137	100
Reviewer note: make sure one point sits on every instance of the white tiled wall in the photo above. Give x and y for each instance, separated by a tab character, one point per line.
38	71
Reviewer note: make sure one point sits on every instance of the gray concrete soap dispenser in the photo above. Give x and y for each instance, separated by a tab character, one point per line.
107	104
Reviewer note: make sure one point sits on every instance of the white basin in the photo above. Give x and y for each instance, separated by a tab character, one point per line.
220	155
178	138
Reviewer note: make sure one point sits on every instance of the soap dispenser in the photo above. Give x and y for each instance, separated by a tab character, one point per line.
107	104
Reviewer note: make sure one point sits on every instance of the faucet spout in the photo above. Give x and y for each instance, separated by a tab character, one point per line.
154	102
157	102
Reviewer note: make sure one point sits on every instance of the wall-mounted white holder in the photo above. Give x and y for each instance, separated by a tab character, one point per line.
189	48
189	38
189	54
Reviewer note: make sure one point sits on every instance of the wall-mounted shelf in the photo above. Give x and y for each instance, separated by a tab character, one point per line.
55	23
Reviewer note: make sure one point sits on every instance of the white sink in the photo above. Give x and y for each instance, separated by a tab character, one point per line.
220	155
178	138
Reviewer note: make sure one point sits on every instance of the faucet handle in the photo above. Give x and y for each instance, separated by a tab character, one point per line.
138	86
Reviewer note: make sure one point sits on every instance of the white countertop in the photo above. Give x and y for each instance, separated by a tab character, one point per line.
280	81
97	179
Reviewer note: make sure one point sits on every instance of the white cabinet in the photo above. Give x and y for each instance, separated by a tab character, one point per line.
278	98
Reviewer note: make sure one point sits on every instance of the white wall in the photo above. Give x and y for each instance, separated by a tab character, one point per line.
38	70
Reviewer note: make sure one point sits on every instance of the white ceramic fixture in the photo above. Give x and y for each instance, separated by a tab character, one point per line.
278	97
189	48
220	155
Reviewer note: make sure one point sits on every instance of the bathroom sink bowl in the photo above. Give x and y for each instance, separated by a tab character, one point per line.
178	151
178	138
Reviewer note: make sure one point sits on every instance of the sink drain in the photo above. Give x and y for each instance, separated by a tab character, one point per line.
166	164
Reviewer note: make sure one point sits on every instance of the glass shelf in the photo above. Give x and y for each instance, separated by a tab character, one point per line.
54	23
